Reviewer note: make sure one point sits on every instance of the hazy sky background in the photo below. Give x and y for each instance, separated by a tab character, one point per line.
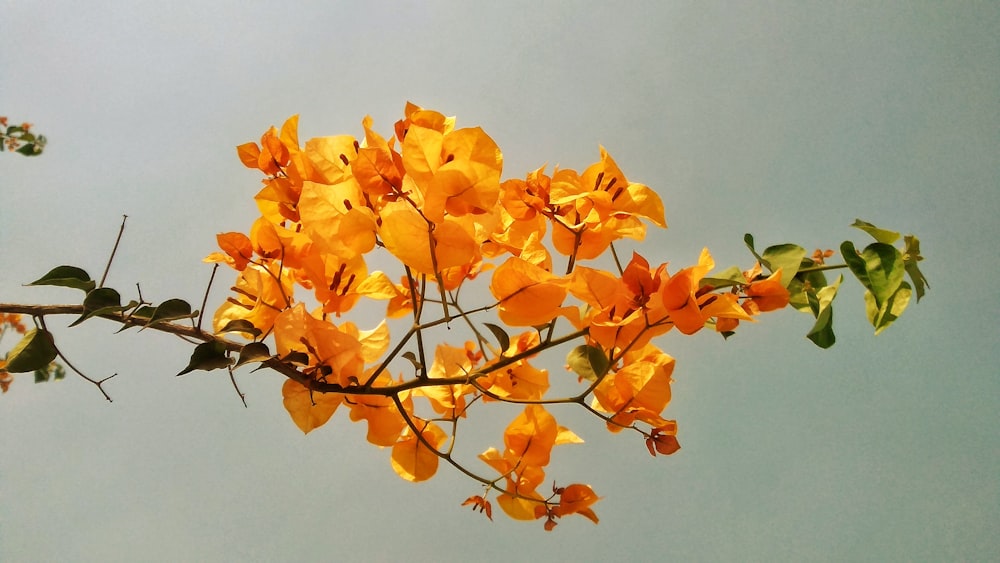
784	119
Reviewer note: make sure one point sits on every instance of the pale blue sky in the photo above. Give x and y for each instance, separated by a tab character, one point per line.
784	119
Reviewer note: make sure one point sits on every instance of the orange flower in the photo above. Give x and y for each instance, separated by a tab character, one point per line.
519	380
768	294
237	250
640	390
457	172
481	504
762	295
385	423
335	281
378	169
599	207
528	295
378	286
576	499
627	311
308	410
259	296
448	400
335	355
408	236
680	297
663	440
412	459
12	320
5	377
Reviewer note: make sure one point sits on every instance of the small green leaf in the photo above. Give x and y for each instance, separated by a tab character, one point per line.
500	334
208	356
139	317
35	351
253	352
413	360
729	277
890	310
748	240
855	263
144	313
30	149
588	362
787	258
240	325
884	264
911	255
170	310
101	301
52	371
880	268
804	285
67	276
880	235
821	334
296	357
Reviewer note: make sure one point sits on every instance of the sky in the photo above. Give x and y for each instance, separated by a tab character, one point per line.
787	120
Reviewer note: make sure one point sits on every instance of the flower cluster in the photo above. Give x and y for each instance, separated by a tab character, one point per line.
431	196
20	138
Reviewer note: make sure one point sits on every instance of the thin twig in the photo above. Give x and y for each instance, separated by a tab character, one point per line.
98	383
113	251
243	397
204	301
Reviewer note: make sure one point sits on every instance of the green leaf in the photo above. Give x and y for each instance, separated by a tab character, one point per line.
880	268
855	263
413	360
500	334
102	301
748	240
296	357
170	310
240	325
139	317
52	371
30	149
67	276
588	362
35	351
881	316
208	356
729	277
884	264
821	334
253	352
880	235
804	286
911	255
144	313
787	257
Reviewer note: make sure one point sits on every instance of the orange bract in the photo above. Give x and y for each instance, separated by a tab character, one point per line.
308	410
412	459
528	295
